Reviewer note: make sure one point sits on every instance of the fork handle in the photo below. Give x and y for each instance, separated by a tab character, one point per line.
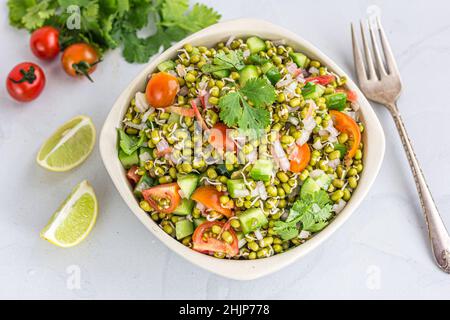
440	241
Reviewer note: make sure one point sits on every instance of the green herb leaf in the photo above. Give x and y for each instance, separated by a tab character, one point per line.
36	16
222	61
18	9
230	108
259	91
312	213
129	144
107	24
235	108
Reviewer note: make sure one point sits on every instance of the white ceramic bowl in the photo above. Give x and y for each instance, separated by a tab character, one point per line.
373	138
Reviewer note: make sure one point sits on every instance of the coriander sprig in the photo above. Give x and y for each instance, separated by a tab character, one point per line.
246	107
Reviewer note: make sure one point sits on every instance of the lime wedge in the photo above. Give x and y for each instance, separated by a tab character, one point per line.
74	219
68	146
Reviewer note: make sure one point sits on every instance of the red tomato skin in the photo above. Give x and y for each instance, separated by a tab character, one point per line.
212	244
132	175
168	190
44	43
77	53
220	139
161	90
210	198
345	123
301	159
322	80
25	91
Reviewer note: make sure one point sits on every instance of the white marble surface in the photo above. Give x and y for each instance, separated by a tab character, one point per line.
381	252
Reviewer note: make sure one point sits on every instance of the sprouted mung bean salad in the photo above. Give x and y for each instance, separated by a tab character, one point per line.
244	150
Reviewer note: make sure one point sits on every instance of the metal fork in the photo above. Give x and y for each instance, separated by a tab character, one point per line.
380	81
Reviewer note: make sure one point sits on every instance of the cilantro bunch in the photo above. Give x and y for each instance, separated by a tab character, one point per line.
312	212
108	24
246	106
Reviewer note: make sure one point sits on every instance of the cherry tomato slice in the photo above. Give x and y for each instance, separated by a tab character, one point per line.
210	198
161	90
300	158
44	43
345	123
322	80
132	175
219	138
203	242
25	81
163	198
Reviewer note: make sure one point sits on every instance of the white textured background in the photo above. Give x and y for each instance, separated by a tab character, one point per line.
381	252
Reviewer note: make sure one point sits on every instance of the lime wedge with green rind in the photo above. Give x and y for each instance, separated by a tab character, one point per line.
68	146
74	219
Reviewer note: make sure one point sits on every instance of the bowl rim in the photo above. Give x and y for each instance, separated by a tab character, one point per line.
242	269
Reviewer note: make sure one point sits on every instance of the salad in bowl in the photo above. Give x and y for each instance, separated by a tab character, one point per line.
242	150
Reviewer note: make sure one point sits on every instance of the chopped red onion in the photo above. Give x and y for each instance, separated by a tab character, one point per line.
180	70
338	207
258	234
304	234
316	173
261	190
229	41
162	145
140	100
318	145
280	156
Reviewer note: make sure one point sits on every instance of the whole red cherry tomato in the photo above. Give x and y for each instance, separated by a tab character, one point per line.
161	90
25	81
44	43
80	59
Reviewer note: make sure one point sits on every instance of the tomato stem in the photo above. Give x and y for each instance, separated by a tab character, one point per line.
28	76
82	68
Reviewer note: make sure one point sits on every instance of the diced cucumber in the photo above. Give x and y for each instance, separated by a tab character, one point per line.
128	160
185	207
237	188
221	74
273	75
267	66
309	187
300	59
252	219
144	183
341	148
262	170
247	73
188	183
198	221
324	181
312	185
173	118
166	65
312	91
256	44
183	228
336	101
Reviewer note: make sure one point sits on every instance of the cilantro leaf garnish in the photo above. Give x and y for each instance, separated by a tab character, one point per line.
114	23
312	213
225	61
251	118
259	91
